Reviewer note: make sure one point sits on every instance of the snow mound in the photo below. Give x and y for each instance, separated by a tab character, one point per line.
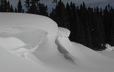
39	45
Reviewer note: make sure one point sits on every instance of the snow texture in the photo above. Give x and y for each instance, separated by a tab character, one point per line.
34	43
109	47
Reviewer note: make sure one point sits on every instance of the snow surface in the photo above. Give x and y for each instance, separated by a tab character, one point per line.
109	47
10	43
34	43
108	52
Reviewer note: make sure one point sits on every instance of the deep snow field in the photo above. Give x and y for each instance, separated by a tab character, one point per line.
34	43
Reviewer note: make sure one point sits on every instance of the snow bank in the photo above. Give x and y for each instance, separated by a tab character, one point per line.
43	47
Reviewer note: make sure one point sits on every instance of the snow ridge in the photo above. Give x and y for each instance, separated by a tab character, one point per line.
64	52
63	33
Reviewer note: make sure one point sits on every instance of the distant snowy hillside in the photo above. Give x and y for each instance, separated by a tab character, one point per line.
34	43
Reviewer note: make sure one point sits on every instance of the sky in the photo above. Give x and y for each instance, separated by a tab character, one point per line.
14	2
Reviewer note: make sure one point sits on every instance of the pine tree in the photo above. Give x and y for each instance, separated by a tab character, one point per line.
11	9
34	7
67	14
5	6
1	2
16	10
58	14
8	6
112	29
43	9
19	7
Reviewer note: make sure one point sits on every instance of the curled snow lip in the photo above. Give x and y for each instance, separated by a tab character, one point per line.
63	32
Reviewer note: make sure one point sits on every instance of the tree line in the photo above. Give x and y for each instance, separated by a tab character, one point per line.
92	27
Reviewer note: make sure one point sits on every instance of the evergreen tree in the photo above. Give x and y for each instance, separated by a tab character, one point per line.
11	9
19	7
106	21
43	9
5	6
16	10
73	24
34	7
58	14
68	15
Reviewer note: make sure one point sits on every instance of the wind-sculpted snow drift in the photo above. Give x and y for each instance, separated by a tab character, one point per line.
34	43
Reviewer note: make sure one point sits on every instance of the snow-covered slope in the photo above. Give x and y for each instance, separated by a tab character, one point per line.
53	52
